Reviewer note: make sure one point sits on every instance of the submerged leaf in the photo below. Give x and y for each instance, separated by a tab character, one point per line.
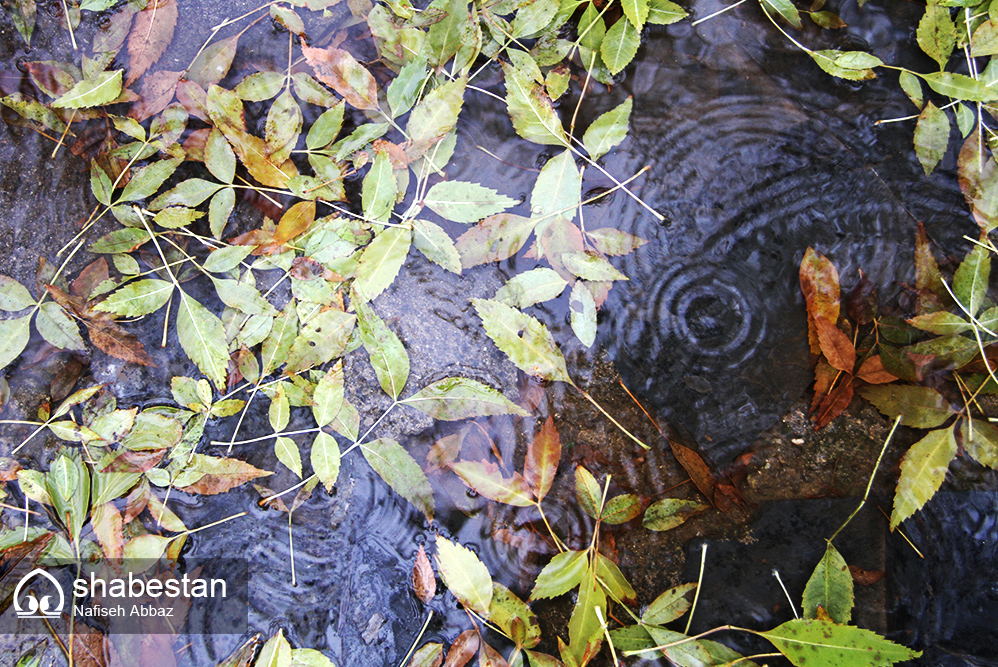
931	137
340	71
486	479
387	354
921	407
102	88
151	34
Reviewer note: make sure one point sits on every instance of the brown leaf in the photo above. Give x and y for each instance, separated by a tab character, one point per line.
136	501
819	281
270	499
252	152
340	71
824	376
151	33
928	281
836	347
117	342
90	647
221	474
424	582
64	381
489	657
872	371
865	577
192	97
559	237
463	649
8	469
90	277
156	93
695	467
862	303
541	463
834	404
29	551
135	461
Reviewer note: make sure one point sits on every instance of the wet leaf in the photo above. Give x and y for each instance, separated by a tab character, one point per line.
669	606
202	337
531	110
872	371
151	34
219	475
829	20
695	467
325	128
117	342
819	281
461	201
590	266
427	655
687	654
485	478
636	12
837	348
526	342
287	17
540	465
394	465
102	88
100	184
219	210
970	282
495	238
489	657
13	295
783	8
424	582
448	35
829	588
295	221
284	123
585	631
582	307
309	657
980	441
921	407
613	580
820	643
147	180
436	115
923	470
621	509
322	339
340	71
387	354
151	431
219	157
936	34
463	649
531	287
379	189
325	459
138	298
609	129
22	13
190	193
912	87
464	575
279	413
960	86
558	188
328	396
514	617
381	261
668	513
283	334
176	217
14	335
456	398
941	323
931	137
275	653
587	492
620	45
58	328
213	63
431	240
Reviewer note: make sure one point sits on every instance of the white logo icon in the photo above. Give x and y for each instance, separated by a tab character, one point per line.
35	607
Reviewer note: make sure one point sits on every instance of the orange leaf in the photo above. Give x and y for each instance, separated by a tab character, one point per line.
298	218
117	342
819	281
489	657
340	71
824	376
695	467
872	371
543	456
424	582
463	649
834	404
151	34
106	522
835	345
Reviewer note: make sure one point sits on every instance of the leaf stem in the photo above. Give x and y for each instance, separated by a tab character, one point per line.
696	596
608	416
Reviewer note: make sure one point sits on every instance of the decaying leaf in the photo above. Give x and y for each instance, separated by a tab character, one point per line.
424	582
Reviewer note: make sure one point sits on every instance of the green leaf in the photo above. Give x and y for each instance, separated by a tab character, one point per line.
960	86
325	458
427	655
202	337
587	492
283	126
665	12
669	606
447	36
558	189
147	180
686	654
387	354
912	87
636	12
532	18
219	210
100	184
14	335
58	328
613	580
531	287
931	137
830	587
921	407
323	338
668	513
176	217
464	575
936	34
461	201
590	266
279	413
152	431
814	643
260	86
526	342
608	130
436	115
582	307
621	509
137	298
487	480
585	631
275	653
13	295
404	88
784	8
381	261
287	453
120	240
219	156
965	119
970	282
506	608
102	88
431	240
620	45
828	60
923	470
980	441
941	323
22	13
243	297
328	397
859	60
456	398
325	128
394	465
494	239
282	336
562	574
191	192
531	110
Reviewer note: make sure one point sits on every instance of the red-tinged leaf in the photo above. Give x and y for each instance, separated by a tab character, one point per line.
695	467
543	456
135	461
834	404
298	219
863	577
151	34
340	71
862	303
921	407
424	582
824	376
819	281
489	657
486	479
463	649
155	94
872	371
978	177
928	281
494	239
836	347
90	277
428	655
221	474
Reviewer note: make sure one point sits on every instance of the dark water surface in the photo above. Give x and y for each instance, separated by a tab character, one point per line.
754	154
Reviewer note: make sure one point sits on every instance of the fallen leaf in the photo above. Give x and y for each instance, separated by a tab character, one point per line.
340	71
695	467
220	474
424	582
151	34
